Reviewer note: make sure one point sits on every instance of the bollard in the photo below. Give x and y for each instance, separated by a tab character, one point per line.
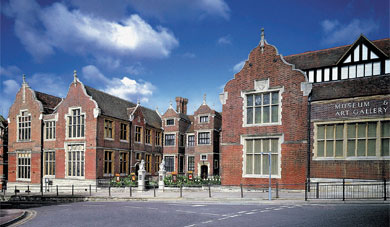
72	190
15	191
242	192
343	189
181	191
90	190
277	190
109	191
154	190
57	189
209	191
384	189
318	190
306	188
131	193
41	192
28	189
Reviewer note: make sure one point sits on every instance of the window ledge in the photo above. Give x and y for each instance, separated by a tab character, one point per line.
50	139
373	158
108	138
75	138
124	141
75	178
260	176
23	141
22	179
49	176
263	124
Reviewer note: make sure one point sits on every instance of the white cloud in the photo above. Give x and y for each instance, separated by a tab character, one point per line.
10	87
49	83
124	87
237	67
10	71
178	10
44	30
225	40
336	33
135	69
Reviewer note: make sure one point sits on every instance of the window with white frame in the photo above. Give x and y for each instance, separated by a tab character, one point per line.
191	140
204	138
76	124
204	119
170	122
203	157
352	139
191	163
169	163
75	160
24	165
169	139
49	163
50	130
24	126
257	156
262	108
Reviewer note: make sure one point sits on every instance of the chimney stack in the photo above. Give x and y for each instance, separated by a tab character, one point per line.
181	105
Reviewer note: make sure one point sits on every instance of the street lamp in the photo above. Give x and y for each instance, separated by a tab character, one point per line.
269	171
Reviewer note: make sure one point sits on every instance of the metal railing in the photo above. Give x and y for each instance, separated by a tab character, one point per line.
350	190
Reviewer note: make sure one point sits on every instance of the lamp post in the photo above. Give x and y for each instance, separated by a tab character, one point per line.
269	171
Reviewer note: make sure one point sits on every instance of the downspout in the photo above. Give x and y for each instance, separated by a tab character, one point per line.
130	147
42	134
308	141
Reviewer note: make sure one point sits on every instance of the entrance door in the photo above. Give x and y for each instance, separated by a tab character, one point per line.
181	164
204	171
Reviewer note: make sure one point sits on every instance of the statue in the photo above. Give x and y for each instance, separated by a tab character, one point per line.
162	166
142	165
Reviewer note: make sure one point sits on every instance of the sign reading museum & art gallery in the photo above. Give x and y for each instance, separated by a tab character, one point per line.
351	109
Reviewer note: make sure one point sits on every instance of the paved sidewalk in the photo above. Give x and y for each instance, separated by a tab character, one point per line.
10	216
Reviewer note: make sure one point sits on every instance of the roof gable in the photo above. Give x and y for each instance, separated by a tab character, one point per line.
361	50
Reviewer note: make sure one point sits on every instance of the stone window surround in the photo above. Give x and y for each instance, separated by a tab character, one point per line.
261	86
174	140
66	159
150	137
135	134
204	115
127	132
70	109
17	166
188	156
201	157
190	134
44	163
112	161
201	131
166	121
280	138
112	129
345	157
158	139
17	125
174	160
55	128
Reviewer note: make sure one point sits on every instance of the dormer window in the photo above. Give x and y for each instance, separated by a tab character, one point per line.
170	122
204	119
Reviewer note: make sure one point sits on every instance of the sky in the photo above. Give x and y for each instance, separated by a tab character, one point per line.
156	50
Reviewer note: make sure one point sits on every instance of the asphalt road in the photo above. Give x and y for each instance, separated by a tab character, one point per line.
201	214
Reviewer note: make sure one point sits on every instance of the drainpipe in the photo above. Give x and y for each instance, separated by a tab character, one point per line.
130	147
42	134
308	140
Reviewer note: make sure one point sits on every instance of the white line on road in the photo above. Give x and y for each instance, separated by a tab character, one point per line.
251	213
205	222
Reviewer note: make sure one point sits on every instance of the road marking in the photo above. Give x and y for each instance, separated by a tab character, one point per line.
223	218
264	211
189	225
186	211
152	208
254	210
198	205
251	213
278	209
241	212
205	222
31	214
134	207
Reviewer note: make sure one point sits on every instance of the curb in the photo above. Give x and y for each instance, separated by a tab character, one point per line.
20	217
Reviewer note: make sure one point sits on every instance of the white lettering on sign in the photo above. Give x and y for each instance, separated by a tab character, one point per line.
360	108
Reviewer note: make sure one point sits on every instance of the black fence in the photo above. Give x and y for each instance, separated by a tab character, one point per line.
348	190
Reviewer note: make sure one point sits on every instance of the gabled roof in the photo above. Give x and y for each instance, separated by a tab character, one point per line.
3	122
49	102
329	57
190	126
118	108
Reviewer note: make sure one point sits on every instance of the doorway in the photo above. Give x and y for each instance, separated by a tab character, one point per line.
204	171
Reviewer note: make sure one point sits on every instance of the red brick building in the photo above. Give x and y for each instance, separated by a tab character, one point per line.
191	142
264	112
3	152
349	110
343	92
86	136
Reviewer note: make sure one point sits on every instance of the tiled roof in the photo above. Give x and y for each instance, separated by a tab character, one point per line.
329	57
190	126
116	107
49	102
